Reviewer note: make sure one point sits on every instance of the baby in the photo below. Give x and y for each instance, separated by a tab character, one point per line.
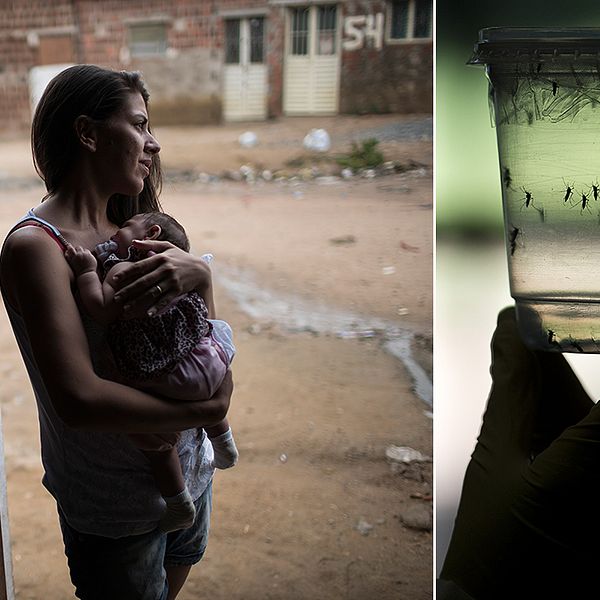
178	353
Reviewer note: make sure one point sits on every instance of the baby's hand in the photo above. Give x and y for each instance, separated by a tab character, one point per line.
80	259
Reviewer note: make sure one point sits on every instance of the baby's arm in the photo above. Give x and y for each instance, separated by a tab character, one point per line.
97	296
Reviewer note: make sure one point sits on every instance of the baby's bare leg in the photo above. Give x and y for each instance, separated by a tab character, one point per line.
166	469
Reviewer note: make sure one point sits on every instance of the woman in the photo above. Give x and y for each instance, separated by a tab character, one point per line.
99	161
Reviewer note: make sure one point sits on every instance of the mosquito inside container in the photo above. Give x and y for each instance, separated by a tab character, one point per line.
545	100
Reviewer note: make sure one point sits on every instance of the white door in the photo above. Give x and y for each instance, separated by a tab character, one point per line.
245	73
312	61
39	78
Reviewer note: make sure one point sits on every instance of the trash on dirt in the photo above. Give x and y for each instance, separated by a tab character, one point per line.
267	175
369	173
207	257
247	172
419	496
388	270
317	140
203	177
344	239
408	247
248	139
327	180
403	311
232	175
418	516
366	333
347	173
405	454
283	458
363	527
254	329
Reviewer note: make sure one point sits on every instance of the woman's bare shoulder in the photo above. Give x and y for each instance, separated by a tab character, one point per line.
30	253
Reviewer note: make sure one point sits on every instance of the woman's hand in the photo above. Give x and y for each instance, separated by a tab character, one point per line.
150	284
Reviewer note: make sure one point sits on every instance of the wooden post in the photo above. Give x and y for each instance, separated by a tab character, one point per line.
6	582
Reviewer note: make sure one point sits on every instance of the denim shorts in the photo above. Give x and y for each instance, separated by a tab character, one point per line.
133	567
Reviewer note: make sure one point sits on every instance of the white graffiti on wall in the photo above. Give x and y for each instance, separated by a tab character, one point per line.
361	27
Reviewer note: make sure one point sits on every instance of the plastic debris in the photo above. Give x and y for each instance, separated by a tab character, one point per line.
247	172
365	333
207	257
369	173
403	311
405	454
248	139
347	173
388	270
363	527
267	175
317	140
283	458
254	329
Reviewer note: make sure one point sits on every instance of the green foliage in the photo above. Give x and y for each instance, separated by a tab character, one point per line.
364	155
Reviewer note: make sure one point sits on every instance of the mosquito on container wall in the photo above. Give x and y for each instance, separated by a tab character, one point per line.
568	190
512	238
595	189
528	201
585	200
506	178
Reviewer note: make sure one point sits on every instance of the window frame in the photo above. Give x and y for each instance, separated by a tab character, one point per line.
410	26
140	24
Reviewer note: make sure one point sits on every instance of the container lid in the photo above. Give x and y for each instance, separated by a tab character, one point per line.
537	44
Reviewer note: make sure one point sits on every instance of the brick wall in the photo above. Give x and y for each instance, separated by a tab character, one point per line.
396	78
184	84
20	50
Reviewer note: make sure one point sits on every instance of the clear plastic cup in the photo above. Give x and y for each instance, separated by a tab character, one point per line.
545	103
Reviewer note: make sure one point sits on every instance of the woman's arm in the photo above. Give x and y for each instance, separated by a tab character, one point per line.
37	281
174	270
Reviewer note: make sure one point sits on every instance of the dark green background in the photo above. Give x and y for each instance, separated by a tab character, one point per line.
467	174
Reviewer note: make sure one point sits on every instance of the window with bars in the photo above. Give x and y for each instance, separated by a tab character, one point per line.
299	31
326	26
257	35
410	19
148	39
232	41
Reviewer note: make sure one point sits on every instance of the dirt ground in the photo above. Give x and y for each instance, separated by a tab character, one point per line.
314	509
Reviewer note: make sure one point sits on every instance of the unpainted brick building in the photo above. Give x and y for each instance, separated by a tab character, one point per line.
211	60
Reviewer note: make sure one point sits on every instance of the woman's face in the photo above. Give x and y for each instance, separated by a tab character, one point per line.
126	148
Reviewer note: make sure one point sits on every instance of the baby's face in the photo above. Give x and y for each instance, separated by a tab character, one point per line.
133	229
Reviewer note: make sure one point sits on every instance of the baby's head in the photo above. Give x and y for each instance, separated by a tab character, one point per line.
150	226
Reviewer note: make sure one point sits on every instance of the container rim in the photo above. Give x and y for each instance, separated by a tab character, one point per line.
536	44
